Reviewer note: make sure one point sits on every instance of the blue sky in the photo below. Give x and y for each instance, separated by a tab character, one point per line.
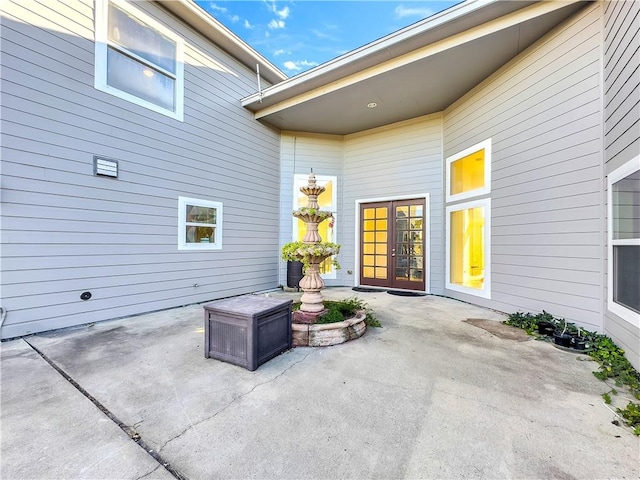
298	35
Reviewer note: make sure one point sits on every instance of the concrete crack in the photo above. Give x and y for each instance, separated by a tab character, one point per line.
234	400
149	473
130	431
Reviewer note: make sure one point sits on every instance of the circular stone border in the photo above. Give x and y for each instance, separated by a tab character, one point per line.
326	334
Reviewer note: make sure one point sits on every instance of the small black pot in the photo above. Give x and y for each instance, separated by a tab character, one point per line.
546	328
562	339
579	343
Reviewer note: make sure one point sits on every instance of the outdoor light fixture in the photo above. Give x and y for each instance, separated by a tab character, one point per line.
372	105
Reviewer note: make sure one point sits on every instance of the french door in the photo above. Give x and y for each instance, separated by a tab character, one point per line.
392	244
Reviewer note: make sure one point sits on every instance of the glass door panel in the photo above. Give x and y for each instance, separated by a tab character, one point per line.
392	244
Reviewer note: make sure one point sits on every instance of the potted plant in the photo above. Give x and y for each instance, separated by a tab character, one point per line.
546	324
562	338
580	342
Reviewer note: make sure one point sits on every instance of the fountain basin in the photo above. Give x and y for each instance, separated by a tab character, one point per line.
327	334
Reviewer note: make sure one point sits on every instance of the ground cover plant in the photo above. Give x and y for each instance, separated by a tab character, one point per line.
340	310
613	364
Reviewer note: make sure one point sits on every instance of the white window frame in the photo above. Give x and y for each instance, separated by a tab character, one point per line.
320	179
182	224
485	292
101	48
486	146
615	176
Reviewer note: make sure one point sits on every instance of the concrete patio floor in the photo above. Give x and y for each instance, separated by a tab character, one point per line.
429	395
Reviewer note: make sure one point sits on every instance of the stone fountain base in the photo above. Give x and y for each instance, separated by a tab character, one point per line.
326	334
307	317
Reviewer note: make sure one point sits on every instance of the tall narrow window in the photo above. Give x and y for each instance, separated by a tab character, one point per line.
199	224
138	59
624	242
468	223
326	201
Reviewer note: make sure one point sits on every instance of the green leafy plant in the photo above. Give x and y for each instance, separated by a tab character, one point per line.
340	310
303	252
631	416
606	396
613	364
318	215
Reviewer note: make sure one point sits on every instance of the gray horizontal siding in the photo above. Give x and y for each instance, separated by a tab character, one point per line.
399	160
65	231
622	124
542	112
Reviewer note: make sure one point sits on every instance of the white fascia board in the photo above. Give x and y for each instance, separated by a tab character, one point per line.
487	28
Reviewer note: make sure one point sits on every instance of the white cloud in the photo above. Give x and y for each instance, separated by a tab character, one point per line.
275	24
401	11
298	65
322	35
284	13
278	52
247	25
217	8
235	18
291	66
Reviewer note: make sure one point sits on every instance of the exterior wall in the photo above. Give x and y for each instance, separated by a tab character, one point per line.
300	153
622	124
399	160
65	231
543	114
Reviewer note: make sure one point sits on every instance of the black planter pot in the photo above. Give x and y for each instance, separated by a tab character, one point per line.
294	274
546	328
562	339
579	343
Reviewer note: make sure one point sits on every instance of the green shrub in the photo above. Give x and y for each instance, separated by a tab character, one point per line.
339	310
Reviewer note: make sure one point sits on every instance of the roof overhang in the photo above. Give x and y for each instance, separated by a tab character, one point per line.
210	28
416	71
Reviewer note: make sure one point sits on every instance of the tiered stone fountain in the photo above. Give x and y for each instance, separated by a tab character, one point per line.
312	252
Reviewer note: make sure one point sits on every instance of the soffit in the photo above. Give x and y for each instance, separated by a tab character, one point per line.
327	101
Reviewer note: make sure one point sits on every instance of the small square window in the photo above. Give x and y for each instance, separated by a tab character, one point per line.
138	59
199	224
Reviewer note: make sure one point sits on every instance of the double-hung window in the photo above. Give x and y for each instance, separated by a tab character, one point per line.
199	224
468	220
623	290
138	59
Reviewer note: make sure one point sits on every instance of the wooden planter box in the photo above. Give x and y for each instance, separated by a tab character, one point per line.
247	331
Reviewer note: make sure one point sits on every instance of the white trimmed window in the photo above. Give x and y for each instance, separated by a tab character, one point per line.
468	223
199	224
469	172
138	59
623	205
327	201
469	247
